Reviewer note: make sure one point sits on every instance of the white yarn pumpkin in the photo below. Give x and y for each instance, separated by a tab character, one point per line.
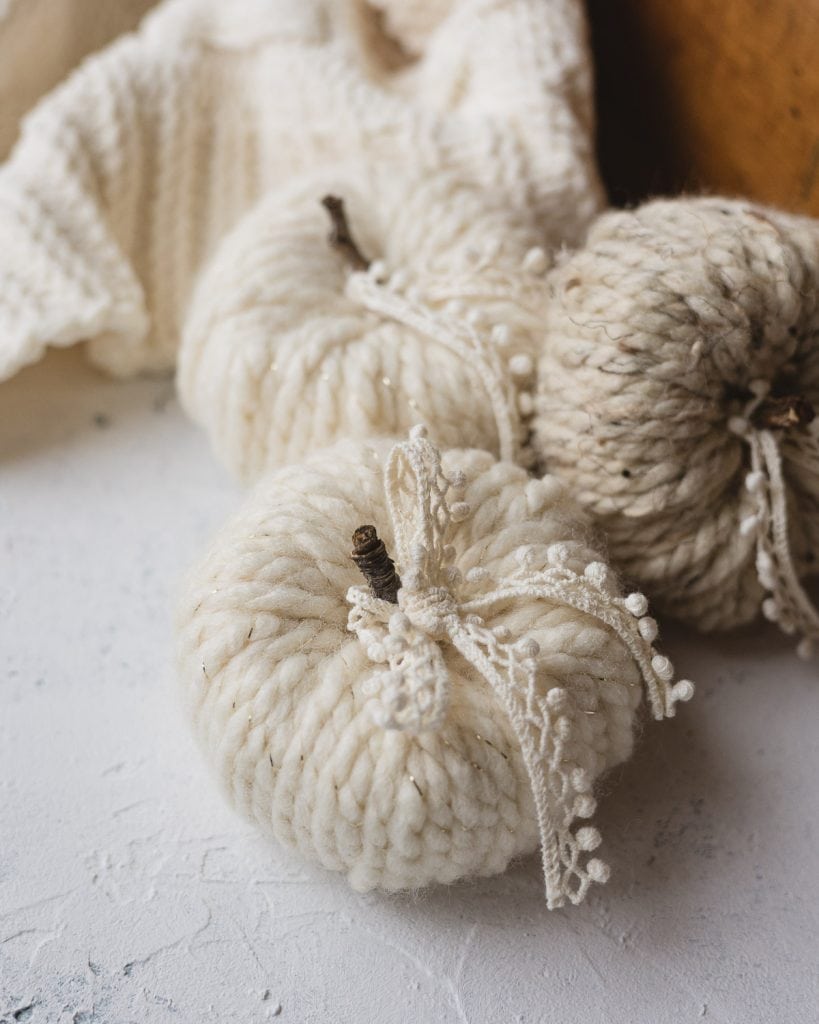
281	694
668	338
286	351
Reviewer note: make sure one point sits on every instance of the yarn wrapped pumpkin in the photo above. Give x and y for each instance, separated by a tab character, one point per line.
435	738
287	351
676	390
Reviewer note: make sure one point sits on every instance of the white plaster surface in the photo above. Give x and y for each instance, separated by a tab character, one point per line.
129	893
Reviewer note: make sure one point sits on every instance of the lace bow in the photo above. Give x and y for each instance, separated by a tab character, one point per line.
787	604
437	606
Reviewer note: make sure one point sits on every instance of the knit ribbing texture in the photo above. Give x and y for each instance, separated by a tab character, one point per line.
127	177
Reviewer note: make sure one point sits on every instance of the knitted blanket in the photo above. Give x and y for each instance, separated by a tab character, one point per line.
128	176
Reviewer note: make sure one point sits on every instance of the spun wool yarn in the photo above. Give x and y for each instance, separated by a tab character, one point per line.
676	389
440	737
127	177
286	351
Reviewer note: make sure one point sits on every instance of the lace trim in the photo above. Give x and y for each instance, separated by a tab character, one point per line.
502	375
787	604
438	606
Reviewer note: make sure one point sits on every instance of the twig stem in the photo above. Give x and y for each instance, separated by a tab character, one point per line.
376	566
784	413
341	237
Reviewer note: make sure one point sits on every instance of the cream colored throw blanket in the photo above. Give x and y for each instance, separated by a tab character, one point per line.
127	178
42	40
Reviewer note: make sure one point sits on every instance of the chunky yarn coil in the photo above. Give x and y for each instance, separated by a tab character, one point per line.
676	388
440	737
287	351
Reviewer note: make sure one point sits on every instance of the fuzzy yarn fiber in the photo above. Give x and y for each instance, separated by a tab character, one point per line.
675	339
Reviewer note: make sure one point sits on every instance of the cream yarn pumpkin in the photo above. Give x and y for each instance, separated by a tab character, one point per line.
676	389
287	351
440	737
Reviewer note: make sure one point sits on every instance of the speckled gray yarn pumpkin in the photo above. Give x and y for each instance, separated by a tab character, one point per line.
675	396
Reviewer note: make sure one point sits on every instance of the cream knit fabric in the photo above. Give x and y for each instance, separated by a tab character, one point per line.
42	40
676	396
441	737
128	176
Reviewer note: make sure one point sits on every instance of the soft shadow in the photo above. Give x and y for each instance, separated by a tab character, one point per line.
663	813
50	404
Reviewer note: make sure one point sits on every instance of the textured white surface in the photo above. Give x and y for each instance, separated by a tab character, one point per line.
129	893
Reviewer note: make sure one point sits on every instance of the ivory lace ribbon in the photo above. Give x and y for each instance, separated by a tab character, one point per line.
481	349
788	603
438	607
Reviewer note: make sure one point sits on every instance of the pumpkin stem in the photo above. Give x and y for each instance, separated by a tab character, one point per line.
341	237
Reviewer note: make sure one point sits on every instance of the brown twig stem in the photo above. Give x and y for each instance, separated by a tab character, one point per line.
376	566
341	237
785	413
